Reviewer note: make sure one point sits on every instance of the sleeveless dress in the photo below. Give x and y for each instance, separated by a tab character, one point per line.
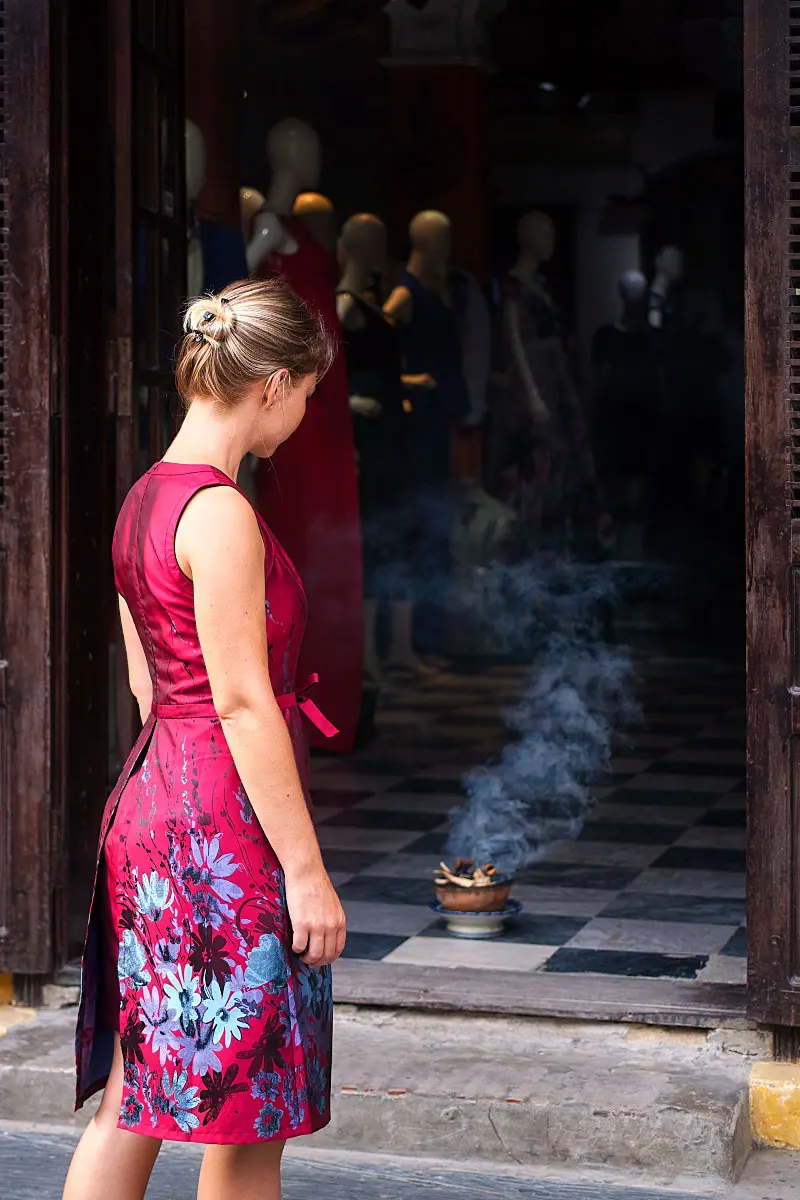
226	1034
308	495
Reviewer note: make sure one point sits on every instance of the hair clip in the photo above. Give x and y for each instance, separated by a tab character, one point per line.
208	316
199	336
224	300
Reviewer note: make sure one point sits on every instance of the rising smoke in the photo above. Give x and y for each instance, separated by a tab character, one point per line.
581	692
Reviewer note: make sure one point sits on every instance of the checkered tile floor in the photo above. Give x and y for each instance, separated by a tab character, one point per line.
653	887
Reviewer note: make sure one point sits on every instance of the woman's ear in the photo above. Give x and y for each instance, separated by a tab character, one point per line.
275	387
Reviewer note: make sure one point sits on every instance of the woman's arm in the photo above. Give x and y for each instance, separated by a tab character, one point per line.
219	546
138	671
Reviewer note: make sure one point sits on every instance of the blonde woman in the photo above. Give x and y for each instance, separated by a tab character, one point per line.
206	1002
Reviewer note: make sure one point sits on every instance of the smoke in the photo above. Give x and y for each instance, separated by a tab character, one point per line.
580	693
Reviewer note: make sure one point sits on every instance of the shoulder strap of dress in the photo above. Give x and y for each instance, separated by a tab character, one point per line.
198	481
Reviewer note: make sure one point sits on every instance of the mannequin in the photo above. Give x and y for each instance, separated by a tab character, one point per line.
538	426
251	201
421	307
308	491
319	217
382	433
195	182
627	389
669	267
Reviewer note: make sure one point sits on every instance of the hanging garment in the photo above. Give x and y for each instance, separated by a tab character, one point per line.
308	495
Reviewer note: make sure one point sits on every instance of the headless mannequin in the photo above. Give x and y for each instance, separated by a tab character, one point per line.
539	425
195	149
536	237
421	307
669	272
293	151
431	240
362	257
319	217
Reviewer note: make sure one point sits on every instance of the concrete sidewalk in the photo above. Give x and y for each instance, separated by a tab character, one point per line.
504	1092
34	1161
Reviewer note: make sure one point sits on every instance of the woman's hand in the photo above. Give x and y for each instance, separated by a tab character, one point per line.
318	922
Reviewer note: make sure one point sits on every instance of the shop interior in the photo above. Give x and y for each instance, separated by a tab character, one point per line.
525	513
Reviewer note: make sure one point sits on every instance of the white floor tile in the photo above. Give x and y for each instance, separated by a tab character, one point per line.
402	920
655	937
455	952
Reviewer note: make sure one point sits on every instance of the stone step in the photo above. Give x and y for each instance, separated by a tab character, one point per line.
511	1092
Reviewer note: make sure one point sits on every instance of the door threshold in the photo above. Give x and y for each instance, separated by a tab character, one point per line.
517	993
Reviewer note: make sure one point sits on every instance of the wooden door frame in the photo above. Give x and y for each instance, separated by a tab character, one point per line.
772	323
31	813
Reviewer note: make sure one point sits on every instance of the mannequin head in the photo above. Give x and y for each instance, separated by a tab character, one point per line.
364	239
319	217
537	236
632	287
293	149
195	148
669	263
431	236
250	202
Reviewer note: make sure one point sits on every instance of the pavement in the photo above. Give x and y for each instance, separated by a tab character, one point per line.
34	1161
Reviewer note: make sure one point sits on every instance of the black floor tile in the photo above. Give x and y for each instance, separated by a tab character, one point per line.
429	787
382	889
351	860
718	771
689	858
386	818
737	946
432	843
700	910
577	875
527	930
373	946
725	818
386	766
712	743
326	798
625	963
669	799
629	833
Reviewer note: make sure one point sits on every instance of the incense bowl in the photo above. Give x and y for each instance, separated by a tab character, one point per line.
479	898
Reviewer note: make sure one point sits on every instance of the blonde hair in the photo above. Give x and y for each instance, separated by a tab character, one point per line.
245	333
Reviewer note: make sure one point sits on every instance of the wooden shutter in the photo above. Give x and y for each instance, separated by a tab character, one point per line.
26	814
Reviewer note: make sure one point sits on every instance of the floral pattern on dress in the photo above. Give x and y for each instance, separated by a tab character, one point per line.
225	1032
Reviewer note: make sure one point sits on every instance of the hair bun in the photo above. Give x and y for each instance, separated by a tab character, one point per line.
211	317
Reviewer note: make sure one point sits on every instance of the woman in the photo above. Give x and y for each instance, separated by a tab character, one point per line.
206	1003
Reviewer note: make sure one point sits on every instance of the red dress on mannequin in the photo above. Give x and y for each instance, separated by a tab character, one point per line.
308	495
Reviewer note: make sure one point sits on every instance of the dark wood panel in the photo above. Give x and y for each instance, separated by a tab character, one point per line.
575	997
772	810
25	531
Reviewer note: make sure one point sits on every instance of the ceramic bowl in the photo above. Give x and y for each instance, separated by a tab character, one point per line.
487	897
477	925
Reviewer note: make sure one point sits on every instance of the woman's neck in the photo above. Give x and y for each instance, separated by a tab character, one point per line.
209	437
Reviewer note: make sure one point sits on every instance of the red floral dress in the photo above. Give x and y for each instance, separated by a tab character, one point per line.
226	1034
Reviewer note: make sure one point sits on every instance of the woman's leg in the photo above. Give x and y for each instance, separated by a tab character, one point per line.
111	1163
251	1172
